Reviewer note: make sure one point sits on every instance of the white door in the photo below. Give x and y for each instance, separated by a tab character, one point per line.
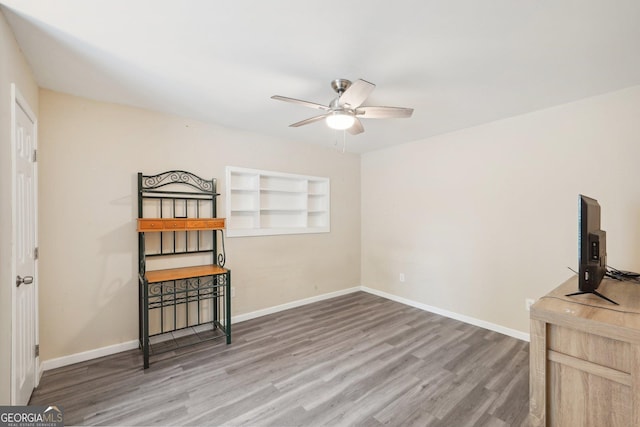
24	325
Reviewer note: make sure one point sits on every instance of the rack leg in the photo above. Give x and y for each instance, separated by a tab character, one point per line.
227	311
140	319
216	301
145	339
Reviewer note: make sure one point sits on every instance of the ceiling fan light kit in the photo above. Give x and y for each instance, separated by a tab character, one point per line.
344	112
340	120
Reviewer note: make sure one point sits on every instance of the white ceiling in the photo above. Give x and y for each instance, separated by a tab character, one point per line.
458	63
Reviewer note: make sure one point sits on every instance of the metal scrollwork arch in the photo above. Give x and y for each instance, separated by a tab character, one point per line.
152	182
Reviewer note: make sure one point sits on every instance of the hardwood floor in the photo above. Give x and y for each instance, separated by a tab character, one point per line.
353	360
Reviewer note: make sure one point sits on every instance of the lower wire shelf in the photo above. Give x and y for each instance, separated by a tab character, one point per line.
185	337
183	312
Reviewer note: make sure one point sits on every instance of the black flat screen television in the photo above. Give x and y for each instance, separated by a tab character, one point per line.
592	248
592	244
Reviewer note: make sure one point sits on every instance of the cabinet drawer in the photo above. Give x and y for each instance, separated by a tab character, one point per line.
173	224
150	224
592	348
161	224
207	224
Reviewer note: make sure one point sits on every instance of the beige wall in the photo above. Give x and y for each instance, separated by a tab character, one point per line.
90	153
480	219
13	69
477	220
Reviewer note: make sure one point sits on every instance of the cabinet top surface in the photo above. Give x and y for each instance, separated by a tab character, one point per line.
588	311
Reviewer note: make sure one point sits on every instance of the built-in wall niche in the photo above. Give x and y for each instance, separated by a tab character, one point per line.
263	202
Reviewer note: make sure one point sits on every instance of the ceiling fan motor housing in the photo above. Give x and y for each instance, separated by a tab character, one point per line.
340	85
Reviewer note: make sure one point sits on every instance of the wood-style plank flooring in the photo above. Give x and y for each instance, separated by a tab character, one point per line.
355	360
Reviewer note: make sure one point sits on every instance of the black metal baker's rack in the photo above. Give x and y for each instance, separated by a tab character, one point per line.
185	297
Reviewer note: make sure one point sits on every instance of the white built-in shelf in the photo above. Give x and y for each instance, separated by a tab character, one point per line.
260	203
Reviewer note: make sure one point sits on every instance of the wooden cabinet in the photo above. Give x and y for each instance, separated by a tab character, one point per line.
262	203
585	357
184	288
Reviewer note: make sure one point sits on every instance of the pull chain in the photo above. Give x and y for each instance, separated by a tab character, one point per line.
344	141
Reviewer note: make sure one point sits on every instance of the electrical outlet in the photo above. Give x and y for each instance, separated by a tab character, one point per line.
528	303
233	292
402	277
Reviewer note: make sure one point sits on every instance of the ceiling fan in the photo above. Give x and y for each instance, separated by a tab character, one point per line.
345	111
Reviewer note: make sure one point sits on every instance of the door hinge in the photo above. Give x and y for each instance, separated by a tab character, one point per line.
35	156
36	253
37	350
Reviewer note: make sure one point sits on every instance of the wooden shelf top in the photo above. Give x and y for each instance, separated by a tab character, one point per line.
169	274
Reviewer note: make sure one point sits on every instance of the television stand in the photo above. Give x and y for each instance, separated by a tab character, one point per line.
585	357
596	293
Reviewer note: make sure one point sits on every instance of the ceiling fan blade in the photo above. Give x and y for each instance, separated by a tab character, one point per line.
383	112
356	93
356	128
308	121
301	102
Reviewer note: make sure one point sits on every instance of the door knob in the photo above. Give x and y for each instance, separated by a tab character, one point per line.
26	280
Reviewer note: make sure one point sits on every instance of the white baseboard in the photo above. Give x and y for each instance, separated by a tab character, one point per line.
88	355
461	317
293	304
129	345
